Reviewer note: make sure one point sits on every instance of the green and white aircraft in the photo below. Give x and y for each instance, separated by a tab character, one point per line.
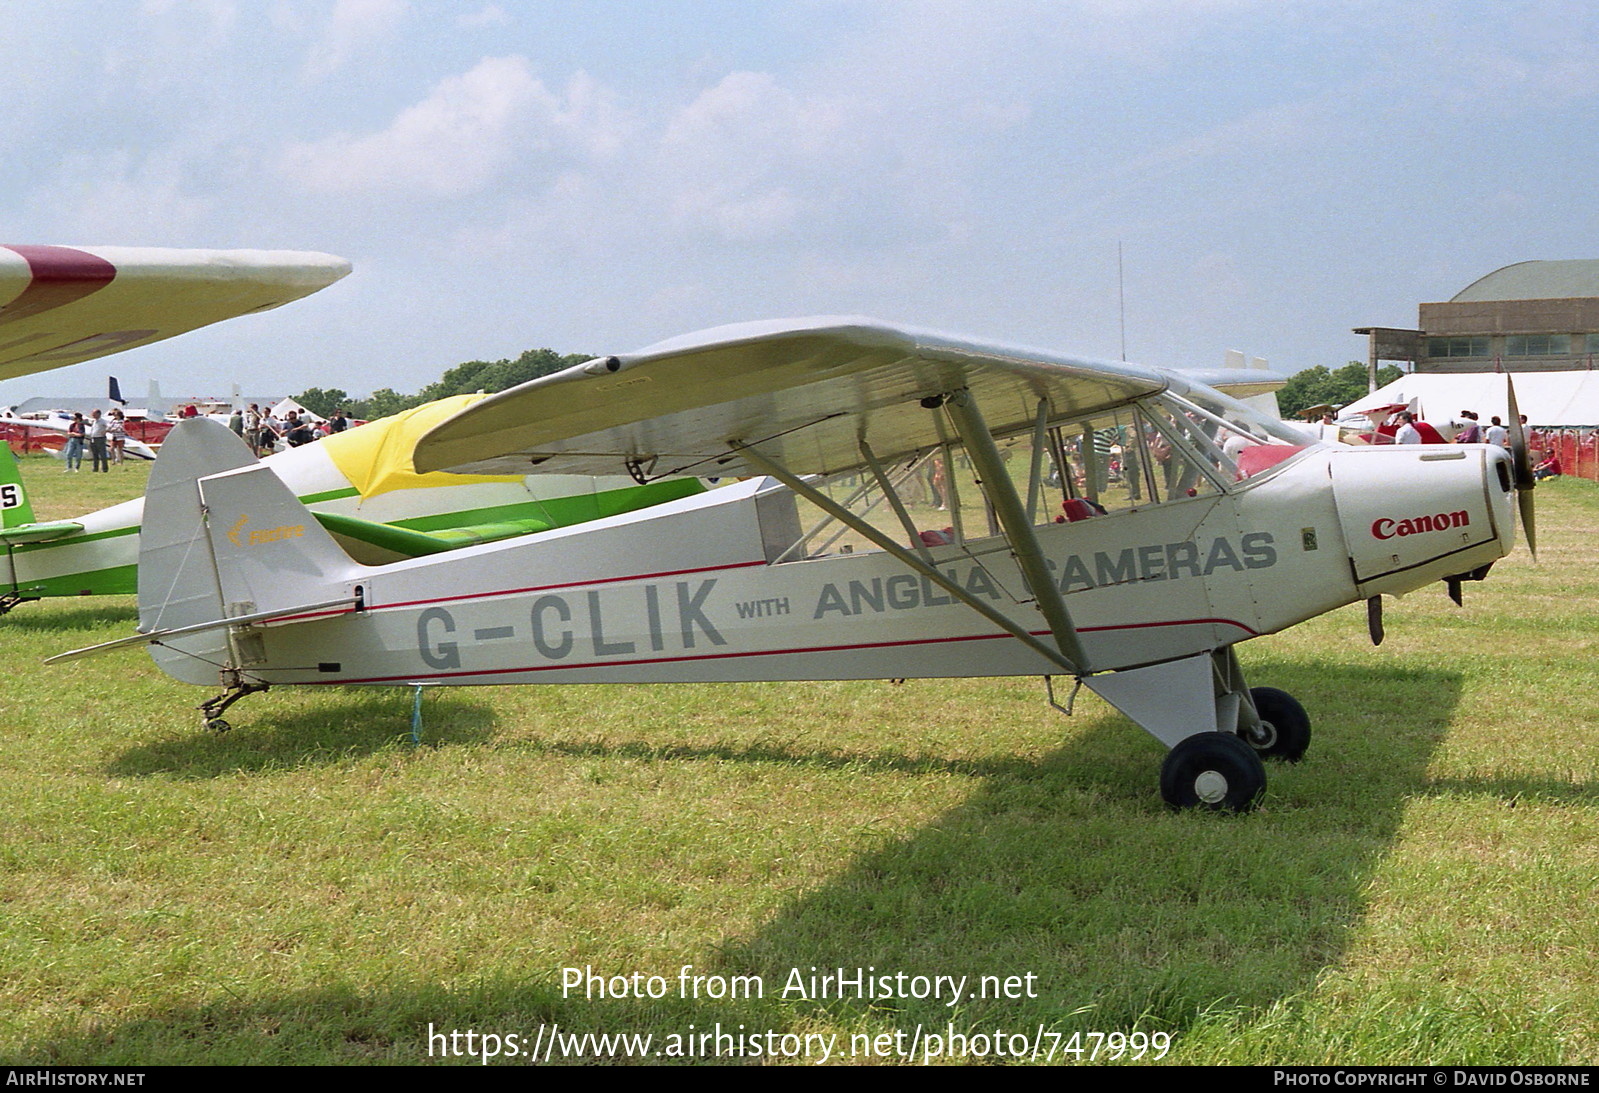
362	489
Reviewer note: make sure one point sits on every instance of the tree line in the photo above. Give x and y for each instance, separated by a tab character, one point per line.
466	378
1334	387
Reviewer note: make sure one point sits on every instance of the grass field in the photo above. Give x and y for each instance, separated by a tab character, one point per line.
311	888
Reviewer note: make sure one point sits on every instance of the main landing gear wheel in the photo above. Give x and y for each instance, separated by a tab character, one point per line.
1213	770
1285	727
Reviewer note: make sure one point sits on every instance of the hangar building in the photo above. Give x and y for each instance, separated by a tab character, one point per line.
1526	317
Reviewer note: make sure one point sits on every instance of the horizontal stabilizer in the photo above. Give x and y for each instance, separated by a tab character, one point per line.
1240	383
40	533
156	637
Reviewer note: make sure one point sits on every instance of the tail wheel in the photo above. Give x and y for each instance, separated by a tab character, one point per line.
1215	771
1285	726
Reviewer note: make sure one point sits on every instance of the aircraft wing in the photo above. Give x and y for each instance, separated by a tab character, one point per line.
805	391
1240	383
63	305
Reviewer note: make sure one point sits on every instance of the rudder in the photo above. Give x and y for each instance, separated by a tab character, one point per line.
222	537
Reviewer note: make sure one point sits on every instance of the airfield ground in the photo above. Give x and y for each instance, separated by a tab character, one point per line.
311	888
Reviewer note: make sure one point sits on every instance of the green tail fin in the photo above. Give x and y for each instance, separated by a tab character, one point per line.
15	508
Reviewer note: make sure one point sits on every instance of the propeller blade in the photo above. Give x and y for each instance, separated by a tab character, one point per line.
1374	625
1522	459
1518	440
1524	503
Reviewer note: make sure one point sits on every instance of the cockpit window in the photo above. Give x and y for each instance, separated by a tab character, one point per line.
1181	444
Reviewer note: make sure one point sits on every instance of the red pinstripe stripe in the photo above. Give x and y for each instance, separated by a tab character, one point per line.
418	677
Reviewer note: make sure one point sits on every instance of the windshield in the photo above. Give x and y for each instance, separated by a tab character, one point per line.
1229	438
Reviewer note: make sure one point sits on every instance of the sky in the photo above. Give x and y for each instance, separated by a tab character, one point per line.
596	176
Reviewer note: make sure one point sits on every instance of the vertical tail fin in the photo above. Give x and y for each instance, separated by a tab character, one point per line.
177	580
223	537
15	508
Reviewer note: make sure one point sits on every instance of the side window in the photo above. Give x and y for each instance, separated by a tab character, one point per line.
1193	453
1183	443
1111	462
1123	460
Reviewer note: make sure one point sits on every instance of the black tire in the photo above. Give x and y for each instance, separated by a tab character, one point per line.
1215	771
1287	721
216	724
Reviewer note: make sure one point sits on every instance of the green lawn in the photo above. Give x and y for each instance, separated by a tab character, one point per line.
311	888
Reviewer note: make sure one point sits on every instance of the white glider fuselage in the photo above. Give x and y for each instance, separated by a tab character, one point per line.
330	476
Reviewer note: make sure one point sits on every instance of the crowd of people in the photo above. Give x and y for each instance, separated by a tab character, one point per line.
105	435
264	431
1470	430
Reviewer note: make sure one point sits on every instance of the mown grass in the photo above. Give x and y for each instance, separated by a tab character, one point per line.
311	888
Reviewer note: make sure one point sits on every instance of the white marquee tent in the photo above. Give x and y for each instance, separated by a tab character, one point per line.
1547	398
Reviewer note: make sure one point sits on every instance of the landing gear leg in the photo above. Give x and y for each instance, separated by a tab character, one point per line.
13	599
235	687
1216	727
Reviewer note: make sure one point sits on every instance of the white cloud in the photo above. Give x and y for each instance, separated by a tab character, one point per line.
126	198
454	142
739	158
490	16
355	27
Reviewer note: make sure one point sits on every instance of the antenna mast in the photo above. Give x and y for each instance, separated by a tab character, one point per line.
1121	299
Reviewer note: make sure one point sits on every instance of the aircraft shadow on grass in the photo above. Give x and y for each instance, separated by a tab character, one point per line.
353	722
94	616
1128	915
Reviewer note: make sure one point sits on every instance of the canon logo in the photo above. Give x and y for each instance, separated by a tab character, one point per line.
1384	528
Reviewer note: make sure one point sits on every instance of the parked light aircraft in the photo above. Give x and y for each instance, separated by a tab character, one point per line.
1121	525
57	424
362	488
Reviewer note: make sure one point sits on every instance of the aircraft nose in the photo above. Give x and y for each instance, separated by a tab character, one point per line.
1415	514
1513	471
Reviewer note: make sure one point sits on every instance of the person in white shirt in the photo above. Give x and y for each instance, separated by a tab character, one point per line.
1408	433
116	428
98	430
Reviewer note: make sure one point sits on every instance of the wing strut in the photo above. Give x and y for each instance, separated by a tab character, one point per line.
893	499
1001	493
849	519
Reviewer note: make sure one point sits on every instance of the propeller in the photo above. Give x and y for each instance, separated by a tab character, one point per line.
1523	464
